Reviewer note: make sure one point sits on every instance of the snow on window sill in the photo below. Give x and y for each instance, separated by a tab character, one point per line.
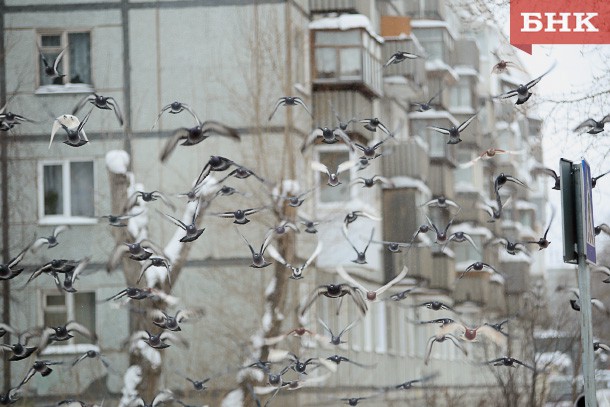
70	349
62	89
67	220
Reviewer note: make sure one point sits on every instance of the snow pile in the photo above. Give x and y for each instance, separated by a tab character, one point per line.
152	355
117	161
233	399
133	377
558	359
345	22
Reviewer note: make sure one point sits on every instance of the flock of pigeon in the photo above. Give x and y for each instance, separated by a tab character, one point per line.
31	343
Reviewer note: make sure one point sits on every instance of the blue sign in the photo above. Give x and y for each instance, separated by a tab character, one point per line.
588	227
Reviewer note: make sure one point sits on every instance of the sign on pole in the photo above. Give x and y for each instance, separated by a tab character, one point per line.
588	227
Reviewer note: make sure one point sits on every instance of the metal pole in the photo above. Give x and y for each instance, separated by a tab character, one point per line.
6	285
584	286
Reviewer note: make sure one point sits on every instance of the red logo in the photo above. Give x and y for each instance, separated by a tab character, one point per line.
559	22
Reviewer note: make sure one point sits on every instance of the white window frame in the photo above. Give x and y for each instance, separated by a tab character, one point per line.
64	63
66	218
64	347
320	177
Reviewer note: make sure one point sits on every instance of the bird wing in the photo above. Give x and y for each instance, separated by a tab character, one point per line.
505	95
280	102
318	166
148	244
346	165
602	269
245	240
429	349
175	221
60	229
344	137
82	103
466	123
56	63
180	134
163	109
81	126
164	199
326	328
184	315
311	138
457	343
28	376
341	271
585	126
276	255
493	334
212	126
299	101
315	254
393	281
116	256
15	260
117	111
38	243
439	129
599	176
544	171
390	61
80	358
312	298
169	336
80	267
533	82
75	326
188	109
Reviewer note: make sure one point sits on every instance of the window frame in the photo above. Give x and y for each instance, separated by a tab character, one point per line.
69	346
67	87
371	75
66	218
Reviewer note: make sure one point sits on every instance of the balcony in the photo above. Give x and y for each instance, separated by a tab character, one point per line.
467	53
404	80
429	10
473	287
443	272
497	296
441	180
516	269
437	142
348	104
336	6
346	58
407	158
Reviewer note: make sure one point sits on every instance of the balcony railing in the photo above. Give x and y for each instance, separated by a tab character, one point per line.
443	272
408	158
328	6
411	72
346	59
428	10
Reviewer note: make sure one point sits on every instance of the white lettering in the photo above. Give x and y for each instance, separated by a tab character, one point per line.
580	22
551	22
530	19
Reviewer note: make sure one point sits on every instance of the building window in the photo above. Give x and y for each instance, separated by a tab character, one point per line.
347	56
66	190
59	309
76	61
331	157
437	42
461	93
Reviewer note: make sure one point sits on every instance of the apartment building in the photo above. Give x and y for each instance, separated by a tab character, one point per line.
230	61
